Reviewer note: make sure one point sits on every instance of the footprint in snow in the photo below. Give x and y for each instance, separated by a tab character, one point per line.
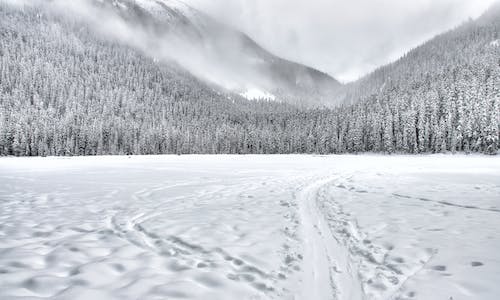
439	268
476	264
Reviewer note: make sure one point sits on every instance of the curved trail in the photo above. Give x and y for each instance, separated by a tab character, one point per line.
328	272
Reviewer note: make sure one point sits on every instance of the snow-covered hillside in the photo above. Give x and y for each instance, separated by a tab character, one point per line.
219	54
68	88
250	227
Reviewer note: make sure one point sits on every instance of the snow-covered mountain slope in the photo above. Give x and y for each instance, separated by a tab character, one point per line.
222	55
68	88
440	59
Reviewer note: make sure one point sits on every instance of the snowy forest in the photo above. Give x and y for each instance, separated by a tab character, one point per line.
65	90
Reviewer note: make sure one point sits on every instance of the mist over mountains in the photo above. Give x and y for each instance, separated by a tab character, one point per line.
89	77
172	32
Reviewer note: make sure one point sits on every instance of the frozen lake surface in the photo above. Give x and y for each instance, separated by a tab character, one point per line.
250	227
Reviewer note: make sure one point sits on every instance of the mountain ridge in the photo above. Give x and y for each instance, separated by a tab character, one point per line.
383	77
65	89
242	59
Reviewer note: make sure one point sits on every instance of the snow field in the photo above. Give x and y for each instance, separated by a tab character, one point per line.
250	227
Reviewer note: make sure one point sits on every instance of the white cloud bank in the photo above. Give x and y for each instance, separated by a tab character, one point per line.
347	39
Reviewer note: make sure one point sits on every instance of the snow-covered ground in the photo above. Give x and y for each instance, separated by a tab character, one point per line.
250	227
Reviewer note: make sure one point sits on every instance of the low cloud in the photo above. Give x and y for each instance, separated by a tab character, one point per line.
204	61
347	39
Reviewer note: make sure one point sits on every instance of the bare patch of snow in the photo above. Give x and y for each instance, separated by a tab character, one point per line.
257	94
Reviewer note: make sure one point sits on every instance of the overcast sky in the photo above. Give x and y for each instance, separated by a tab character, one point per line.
345	38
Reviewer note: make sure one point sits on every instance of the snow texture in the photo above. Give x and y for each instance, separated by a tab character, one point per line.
250	227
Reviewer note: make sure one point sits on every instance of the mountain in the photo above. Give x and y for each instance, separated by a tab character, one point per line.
111	79
443	95
220	54
66	89
472	43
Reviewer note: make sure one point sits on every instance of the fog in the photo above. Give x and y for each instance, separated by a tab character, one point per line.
181	46
346	39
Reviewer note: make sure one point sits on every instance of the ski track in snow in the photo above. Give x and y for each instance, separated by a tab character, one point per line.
250	227
328	272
